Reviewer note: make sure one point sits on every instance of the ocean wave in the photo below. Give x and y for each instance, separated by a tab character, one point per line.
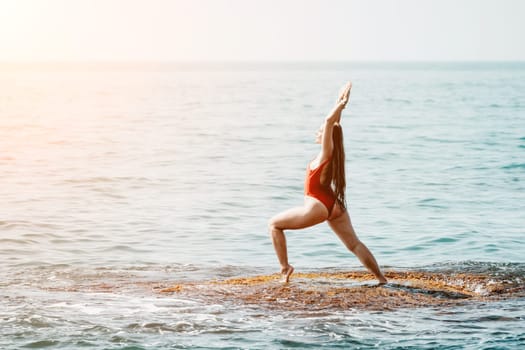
514	166
442	284
131	305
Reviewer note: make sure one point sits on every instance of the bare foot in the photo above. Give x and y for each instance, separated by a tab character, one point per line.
286	272
382	281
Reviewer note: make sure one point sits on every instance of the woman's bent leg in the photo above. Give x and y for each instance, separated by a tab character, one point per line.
342	226
295	218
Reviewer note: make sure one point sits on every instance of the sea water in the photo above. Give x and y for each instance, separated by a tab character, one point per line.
118	177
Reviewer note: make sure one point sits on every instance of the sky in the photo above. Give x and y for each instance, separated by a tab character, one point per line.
265	30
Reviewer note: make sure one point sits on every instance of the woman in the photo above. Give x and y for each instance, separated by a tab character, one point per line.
324	196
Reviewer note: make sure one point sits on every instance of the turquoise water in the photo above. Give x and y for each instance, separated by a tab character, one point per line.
129	175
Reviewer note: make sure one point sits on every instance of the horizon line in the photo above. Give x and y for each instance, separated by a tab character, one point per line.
216	66
232	61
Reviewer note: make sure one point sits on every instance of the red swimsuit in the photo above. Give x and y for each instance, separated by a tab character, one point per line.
314	188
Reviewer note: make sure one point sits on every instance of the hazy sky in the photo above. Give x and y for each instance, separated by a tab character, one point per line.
335	30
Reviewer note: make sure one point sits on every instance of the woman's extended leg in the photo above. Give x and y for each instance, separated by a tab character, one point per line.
296	218
342	226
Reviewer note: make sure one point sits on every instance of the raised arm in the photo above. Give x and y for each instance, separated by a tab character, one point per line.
344	96
334	117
